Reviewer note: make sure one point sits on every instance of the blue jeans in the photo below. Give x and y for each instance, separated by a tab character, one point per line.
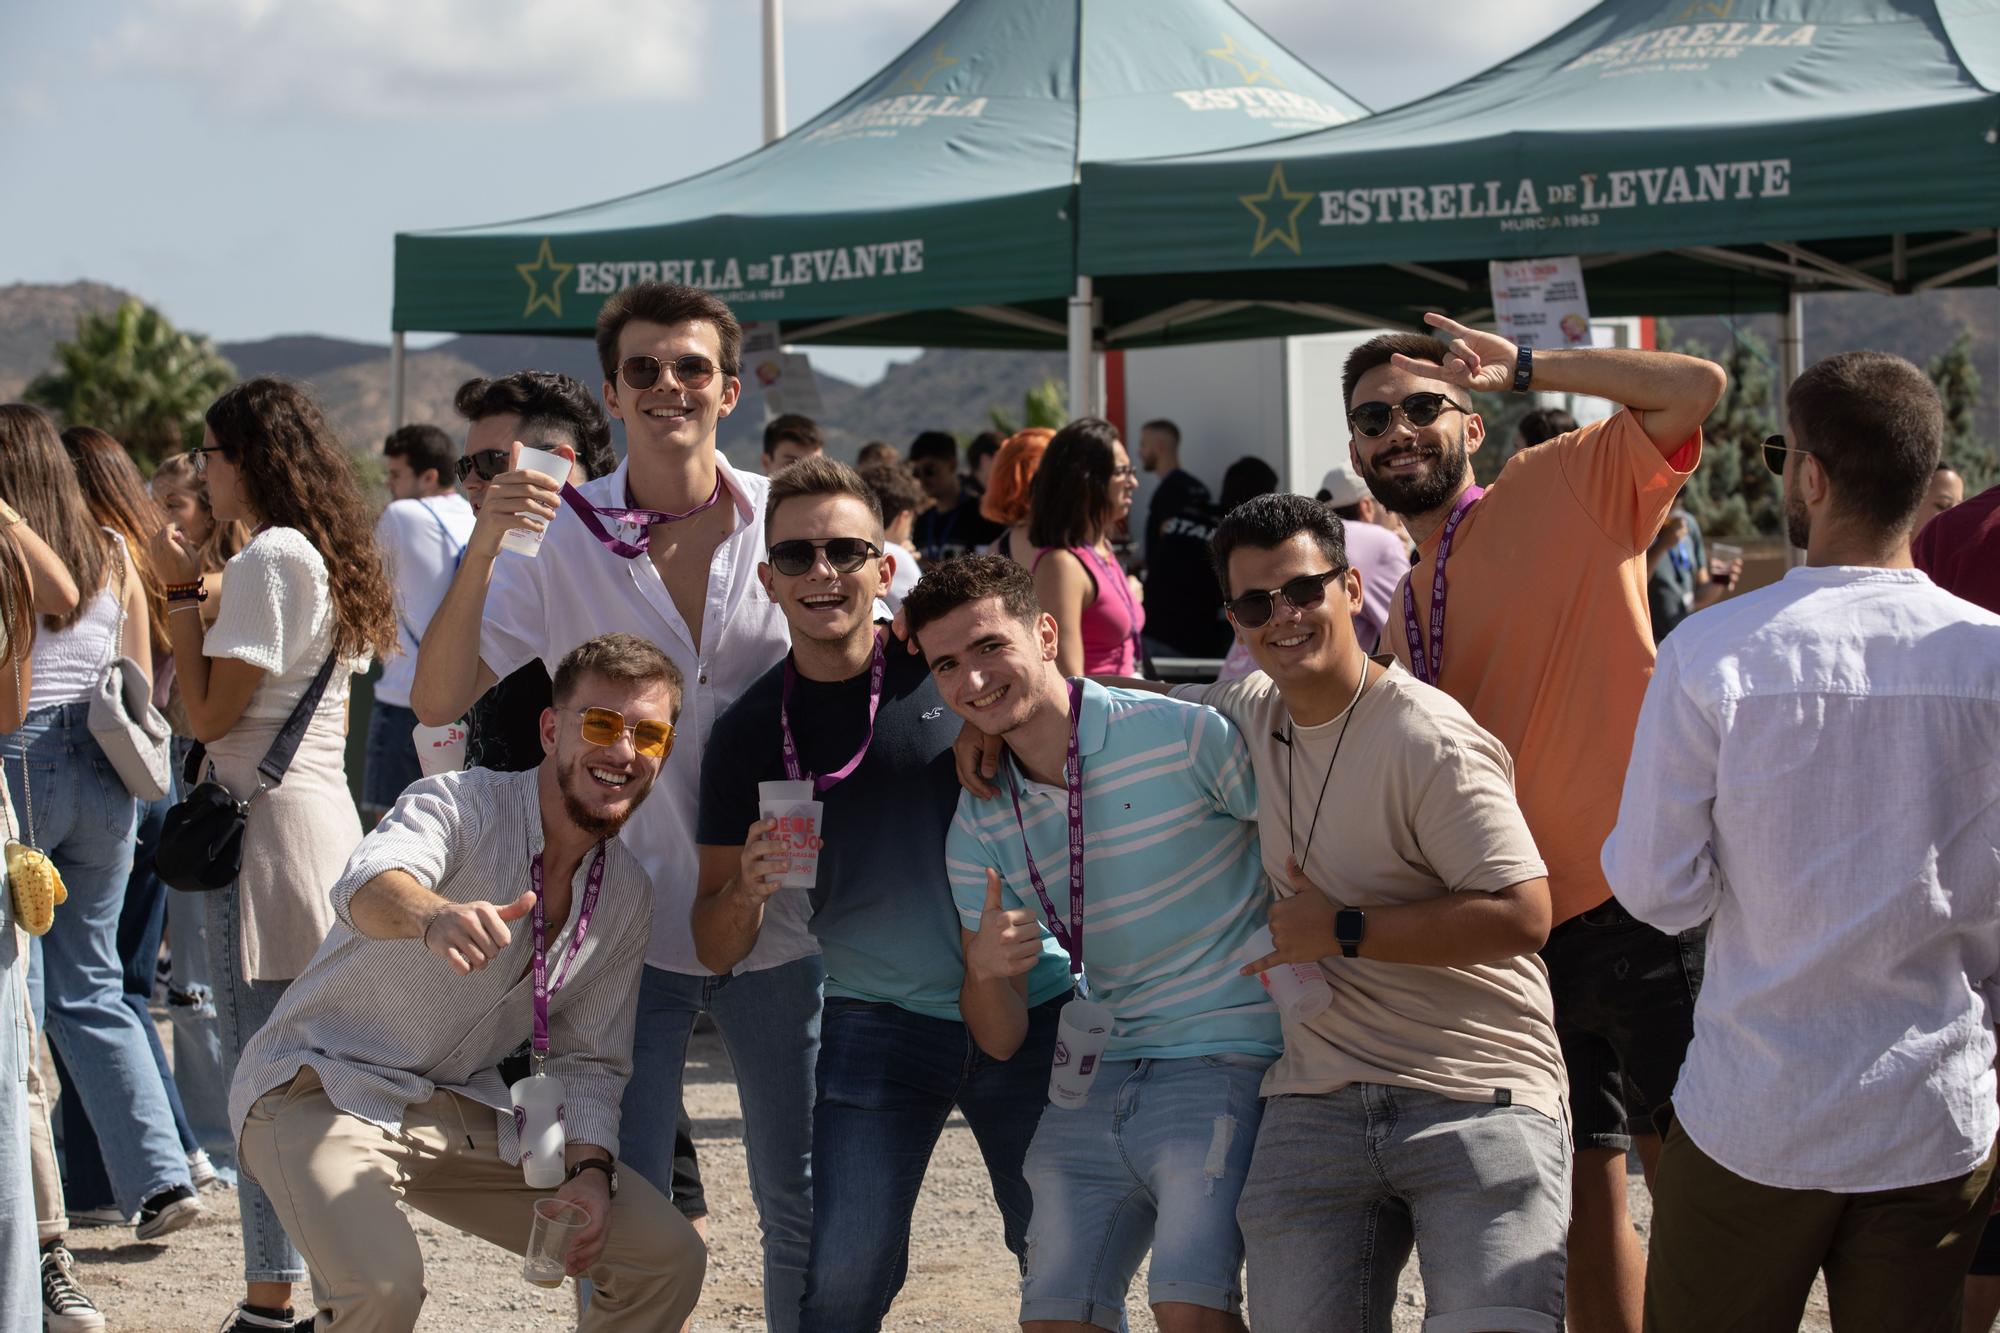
769	1020
197	1039
85	1183
241	1007
20	1279
392	756
888	1080
83	818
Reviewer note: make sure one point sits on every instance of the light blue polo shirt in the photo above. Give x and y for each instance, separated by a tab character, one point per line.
1173	888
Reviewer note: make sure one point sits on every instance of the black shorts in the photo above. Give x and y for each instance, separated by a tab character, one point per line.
1986	1259
1624	999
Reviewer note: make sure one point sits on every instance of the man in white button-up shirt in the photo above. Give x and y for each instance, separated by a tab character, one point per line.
1817	772
670	359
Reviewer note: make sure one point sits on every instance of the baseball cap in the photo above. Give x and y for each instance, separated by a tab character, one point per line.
1341	488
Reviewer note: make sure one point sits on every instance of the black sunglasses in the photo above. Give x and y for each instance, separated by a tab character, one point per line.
1419	409
488	463
1775	450
690	371
1304	593
845	554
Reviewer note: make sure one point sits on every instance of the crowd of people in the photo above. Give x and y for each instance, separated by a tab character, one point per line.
856	761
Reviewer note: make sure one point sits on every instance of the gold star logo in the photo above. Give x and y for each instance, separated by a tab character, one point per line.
1720	11
545	262
1229	53
939	63
1268	231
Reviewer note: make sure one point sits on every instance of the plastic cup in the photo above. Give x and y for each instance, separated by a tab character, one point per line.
538	1121
549	465
1298	989
1082	1030
557	1223
440	749
798	814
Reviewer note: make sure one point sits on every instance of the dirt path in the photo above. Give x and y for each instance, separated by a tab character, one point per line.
961	1276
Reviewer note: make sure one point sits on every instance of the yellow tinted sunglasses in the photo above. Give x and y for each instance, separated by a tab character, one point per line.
650	737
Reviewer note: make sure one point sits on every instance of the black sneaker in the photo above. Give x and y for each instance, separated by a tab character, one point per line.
166	1212
65	1309
241	1320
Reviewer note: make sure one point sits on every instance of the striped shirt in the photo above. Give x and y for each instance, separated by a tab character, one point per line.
1172	885
386	1024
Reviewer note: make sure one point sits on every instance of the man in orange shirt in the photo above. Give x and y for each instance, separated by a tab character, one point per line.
1548	644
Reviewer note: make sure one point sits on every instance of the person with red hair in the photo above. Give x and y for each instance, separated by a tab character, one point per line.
1008	490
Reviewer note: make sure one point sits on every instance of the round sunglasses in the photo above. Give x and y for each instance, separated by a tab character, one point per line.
690	372
1303	593
1419	409
650	736
845	554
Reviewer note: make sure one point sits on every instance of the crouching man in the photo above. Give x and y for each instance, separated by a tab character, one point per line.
487	912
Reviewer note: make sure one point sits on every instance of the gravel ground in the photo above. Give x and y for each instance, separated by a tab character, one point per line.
961	1277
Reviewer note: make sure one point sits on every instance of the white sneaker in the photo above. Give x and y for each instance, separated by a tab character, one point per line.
65	1309
107	1216
200	1170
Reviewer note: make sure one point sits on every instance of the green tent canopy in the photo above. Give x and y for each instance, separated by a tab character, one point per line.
934	204
1707	157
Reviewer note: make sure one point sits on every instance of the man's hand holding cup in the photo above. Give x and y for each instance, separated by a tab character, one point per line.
1009	939
766	858
471	935
519	499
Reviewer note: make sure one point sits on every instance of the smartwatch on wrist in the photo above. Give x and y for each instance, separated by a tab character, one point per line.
1524	368
1349	925
603	1164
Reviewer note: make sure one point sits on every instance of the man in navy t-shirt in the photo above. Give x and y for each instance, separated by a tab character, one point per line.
866	723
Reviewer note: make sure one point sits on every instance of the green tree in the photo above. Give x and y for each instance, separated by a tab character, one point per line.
1732	493
1043	405
132	373
1957	380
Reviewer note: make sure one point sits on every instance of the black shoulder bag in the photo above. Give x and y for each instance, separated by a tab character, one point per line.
201	840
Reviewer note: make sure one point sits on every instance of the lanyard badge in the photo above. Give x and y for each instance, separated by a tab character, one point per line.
1427	661
538	1099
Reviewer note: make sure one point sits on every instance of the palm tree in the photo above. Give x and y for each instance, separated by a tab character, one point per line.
132	373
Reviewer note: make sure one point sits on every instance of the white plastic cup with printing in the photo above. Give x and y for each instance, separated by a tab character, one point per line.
1298	989
522	540
1083	1029
538	1122
798	813
440	749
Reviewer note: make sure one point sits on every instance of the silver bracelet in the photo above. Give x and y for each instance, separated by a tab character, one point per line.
430	921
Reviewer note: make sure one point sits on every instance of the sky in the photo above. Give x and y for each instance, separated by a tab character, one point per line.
245	164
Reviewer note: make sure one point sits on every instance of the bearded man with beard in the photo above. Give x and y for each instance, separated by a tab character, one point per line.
1548	644
384	1074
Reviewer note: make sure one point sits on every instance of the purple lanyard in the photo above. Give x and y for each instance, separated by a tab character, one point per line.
824	783
593	515
544	988
1072	938
1428	666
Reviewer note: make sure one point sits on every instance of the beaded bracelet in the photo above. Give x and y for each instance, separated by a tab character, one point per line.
187	592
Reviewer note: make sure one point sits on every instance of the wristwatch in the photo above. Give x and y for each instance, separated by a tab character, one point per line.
1349	925
603	1164
1524	368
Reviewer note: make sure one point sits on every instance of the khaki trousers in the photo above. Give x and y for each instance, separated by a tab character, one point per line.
51	1214
335	1180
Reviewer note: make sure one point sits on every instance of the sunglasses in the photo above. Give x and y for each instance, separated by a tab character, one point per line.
1775	450
1303	593
845	554
488	463
690	371
1419	409
652	737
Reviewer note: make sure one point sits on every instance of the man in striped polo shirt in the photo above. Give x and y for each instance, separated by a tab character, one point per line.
1144	798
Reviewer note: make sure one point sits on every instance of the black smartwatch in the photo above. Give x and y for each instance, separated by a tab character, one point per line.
603	1164
1524	368
1349	925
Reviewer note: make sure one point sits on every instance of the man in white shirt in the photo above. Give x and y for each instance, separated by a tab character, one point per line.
665	547
422	535
1815	774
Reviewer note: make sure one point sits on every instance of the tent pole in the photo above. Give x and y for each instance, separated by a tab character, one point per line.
774	70
1082	352
396	381
1791	365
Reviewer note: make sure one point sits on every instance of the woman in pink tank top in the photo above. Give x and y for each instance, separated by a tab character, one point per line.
1082	490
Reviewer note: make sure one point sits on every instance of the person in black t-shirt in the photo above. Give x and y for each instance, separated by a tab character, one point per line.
1183	601
953	525
895	1057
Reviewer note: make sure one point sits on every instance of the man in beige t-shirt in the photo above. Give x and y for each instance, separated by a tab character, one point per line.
1429	1097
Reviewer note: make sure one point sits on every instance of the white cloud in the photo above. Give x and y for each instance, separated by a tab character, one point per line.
388	58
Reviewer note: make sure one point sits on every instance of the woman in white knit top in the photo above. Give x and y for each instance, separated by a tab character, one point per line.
308	587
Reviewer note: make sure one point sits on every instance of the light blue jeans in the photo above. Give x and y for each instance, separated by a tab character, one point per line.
769	1020
241	1007
197	1039
84	818
20	1281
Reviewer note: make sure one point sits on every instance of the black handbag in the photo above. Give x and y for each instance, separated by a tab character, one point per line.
201	840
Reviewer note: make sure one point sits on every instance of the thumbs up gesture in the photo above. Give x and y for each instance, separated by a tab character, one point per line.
1009	939
471	935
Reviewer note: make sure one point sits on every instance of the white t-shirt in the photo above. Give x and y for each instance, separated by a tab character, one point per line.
421	542
905	578
277	614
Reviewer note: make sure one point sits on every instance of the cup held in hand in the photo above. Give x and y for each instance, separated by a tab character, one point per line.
799	816
549	465
557	1224
440	749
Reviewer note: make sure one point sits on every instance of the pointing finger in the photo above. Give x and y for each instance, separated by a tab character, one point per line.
1445	323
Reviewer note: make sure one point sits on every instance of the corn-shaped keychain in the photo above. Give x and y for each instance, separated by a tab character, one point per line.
36	885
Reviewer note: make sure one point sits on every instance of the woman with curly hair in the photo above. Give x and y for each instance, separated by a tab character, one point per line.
308	589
